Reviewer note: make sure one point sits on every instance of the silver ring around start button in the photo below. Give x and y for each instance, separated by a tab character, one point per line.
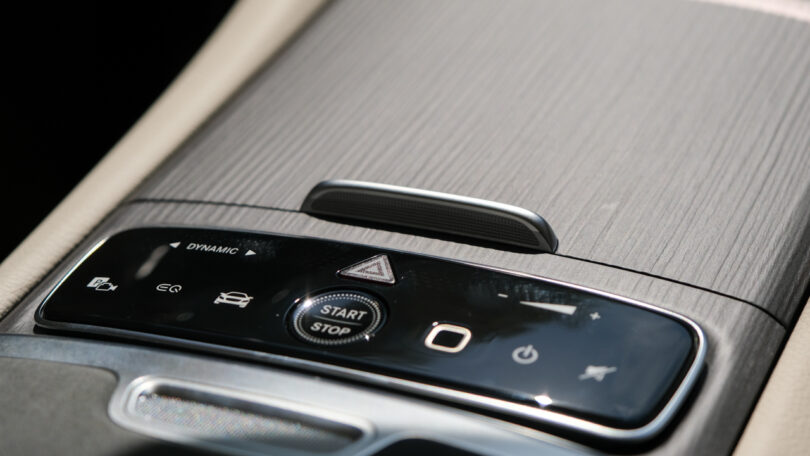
374	307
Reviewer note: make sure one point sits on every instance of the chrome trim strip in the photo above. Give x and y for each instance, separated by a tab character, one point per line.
416	418
122	411
536	224
649	430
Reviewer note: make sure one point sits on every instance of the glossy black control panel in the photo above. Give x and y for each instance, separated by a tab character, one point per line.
472	334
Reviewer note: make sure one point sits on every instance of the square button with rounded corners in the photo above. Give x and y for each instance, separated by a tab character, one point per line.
448	338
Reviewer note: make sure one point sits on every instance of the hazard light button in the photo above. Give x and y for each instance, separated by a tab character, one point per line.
376	269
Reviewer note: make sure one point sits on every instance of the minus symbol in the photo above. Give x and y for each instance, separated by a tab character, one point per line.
502	295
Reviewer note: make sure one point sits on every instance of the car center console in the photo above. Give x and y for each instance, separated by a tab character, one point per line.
532	348
464	352
236	303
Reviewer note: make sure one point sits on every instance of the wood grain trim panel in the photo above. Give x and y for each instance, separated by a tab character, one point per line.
661	137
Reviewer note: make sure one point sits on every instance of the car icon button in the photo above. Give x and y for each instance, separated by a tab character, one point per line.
235	298
337	317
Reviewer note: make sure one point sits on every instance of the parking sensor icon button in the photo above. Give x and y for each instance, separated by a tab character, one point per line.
102	284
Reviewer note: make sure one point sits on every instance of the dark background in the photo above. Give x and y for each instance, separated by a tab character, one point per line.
77	76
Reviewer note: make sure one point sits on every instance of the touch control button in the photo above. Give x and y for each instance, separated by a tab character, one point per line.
448	338
525	354
337	317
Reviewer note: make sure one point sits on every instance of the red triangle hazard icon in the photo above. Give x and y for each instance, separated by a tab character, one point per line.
375	269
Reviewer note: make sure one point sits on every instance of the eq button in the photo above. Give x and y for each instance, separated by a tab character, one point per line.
337	317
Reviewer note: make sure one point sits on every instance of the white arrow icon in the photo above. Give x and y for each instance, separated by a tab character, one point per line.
250	252
174	245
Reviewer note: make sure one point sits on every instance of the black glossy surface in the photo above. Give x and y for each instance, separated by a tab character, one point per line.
448	339
420	446
605	360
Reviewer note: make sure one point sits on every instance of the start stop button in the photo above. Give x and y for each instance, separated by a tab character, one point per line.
337	317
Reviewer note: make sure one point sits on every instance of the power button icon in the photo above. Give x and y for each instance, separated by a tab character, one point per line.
525	354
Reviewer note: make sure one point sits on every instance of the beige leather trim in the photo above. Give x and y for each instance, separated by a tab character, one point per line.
251	32
794	9
781	420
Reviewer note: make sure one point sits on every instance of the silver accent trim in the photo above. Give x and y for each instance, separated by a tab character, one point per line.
536	224
129	418
414	417
649	430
